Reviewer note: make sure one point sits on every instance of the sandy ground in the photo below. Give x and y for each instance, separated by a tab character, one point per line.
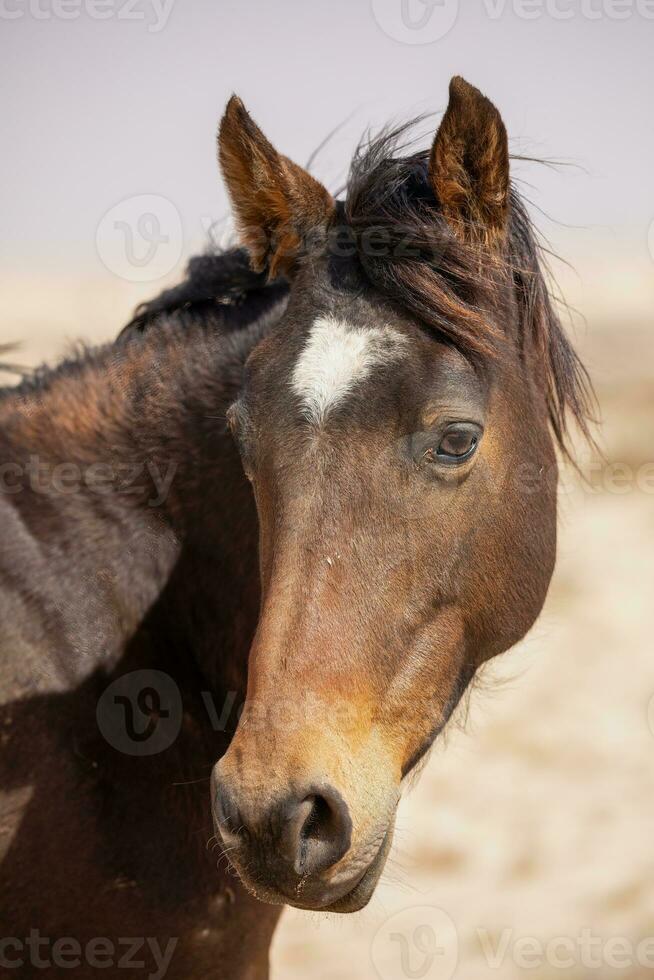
526	848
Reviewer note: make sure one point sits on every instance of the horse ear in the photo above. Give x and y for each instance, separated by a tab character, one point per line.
277	204
469	166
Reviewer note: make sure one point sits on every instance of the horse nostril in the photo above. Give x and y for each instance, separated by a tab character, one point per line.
309	831
318	831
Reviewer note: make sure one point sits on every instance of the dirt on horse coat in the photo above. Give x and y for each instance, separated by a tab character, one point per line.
333	496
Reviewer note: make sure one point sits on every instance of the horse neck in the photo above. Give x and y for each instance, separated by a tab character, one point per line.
118	469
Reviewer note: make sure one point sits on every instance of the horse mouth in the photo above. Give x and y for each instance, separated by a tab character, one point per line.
362	891
360	895
353	900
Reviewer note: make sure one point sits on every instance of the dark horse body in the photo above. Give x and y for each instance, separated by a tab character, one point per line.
93	842
387	551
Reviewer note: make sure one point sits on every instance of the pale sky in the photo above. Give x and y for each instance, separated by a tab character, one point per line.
99	111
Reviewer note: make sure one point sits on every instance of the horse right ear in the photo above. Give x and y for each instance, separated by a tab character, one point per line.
469	166
277	205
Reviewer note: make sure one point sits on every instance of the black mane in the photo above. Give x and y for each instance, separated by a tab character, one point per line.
448	284
220	290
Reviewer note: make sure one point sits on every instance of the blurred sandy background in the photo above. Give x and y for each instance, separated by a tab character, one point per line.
533	822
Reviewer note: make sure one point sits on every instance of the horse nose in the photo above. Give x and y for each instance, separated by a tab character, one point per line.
309	831
316	830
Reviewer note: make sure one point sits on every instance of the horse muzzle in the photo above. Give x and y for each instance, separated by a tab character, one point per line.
297	849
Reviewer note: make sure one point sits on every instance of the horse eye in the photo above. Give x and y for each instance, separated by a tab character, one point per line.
458	442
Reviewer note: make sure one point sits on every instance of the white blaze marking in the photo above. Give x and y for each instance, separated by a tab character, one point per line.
338	356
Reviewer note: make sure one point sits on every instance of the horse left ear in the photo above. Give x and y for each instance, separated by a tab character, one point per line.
469	166
277	204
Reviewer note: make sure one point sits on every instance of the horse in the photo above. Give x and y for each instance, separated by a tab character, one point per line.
256	550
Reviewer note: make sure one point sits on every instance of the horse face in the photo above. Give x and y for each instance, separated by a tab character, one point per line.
406	502
397	553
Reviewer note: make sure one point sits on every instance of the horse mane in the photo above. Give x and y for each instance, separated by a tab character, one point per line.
450	284
220	290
